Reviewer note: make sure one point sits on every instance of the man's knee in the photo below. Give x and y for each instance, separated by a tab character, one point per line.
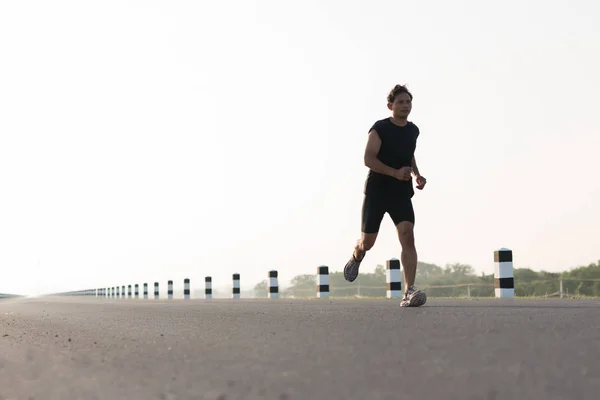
367	241
406	234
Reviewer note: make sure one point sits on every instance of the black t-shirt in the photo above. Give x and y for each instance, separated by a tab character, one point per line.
398	144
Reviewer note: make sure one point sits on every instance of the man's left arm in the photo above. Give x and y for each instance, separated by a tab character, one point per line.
415	169
421	181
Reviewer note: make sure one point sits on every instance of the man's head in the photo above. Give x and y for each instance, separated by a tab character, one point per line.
400	101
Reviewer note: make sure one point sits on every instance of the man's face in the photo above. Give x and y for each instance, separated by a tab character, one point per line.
401	106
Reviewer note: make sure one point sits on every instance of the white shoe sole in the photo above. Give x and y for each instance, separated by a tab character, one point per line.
351	270
416	301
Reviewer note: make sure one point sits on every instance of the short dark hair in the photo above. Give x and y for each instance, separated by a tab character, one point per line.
396	91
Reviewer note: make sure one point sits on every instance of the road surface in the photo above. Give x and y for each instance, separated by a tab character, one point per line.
86	348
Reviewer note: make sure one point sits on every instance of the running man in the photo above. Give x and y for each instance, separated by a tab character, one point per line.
389	155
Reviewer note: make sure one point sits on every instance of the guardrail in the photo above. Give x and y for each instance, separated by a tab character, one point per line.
469	290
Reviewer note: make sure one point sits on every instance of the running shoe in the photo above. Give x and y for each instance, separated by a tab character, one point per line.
351	268
413	297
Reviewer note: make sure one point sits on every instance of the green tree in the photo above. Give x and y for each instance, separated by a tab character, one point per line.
427	271
302	286
261	289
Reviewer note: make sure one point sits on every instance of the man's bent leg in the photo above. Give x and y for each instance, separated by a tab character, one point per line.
373	211
364	244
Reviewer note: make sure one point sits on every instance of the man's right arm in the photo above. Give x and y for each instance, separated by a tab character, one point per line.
371	160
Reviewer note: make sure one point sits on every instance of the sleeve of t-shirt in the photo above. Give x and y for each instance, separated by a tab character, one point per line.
417	131
377	127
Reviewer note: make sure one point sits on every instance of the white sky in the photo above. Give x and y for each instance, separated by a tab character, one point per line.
156	140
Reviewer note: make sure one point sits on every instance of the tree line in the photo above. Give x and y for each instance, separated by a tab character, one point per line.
452	280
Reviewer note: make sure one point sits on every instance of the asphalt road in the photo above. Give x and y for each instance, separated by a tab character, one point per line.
85	348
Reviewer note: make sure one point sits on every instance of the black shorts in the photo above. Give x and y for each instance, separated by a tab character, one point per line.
375	206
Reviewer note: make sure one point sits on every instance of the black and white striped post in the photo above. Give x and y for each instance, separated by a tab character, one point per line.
112	290
273	285
137	291
128	291
170	290
118	292
186	288
123	291
393	279
146	291
236	286
208	287
156	291
504	281
323	281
